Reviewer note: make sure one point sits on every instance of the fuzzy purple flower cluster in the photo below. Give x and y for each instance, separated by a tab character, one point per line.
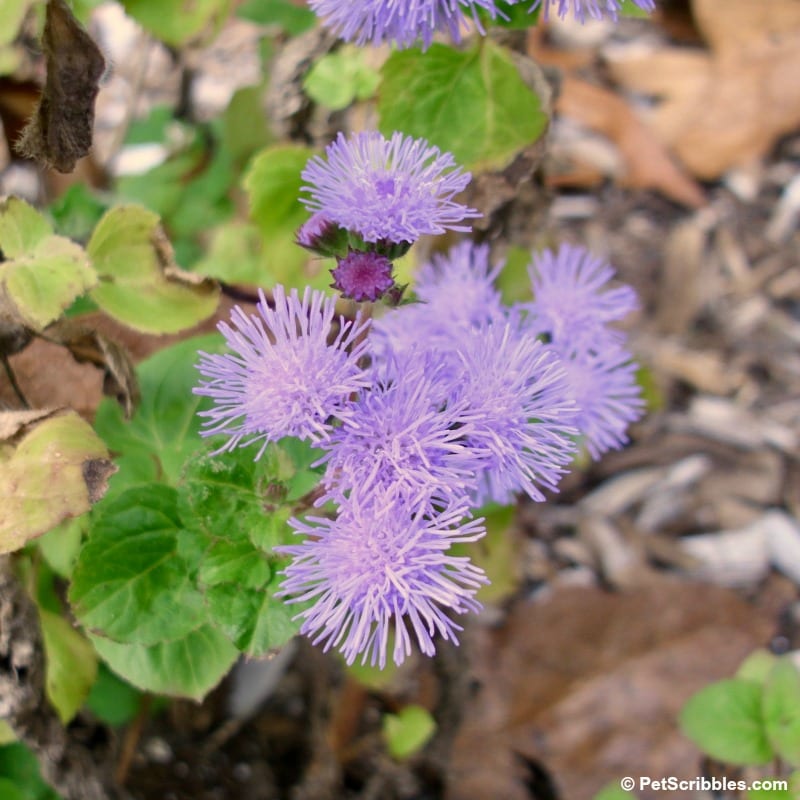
419	418
405	24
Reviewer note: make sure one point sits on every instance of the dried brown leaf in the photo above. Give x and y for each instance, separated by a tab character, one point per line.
726	107
90	346
61	130
647	163
589	684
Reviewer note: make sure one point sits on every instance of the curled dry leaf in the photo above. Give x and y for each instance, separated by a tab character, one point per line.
647	165
61	131
725	107
90	346
52	472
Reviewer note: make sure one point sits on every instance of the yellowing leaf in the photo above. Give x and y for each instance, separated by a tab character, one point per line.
55	471
140	284
71	665
42	274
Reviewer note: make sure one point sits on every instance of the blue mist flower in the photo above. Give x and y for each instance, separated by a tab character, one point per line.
597	9
520	416
380	567
571	296
602	380
387	190
400	436
459	286
363	276
283	377
457	292
403	24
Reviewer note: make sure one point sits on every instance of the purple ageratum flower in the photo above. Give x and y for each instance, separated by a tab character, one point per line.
572	300
376	567
596	9
520	417
387	190
401	437
282	378
363	276
459	286
403	24
603	382
458	292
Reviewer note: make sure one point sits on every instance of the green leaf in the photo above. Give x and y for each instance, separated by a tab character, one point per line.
292	18
22	228
234	256
42	481
77	211
495	553
6	734
234	562
176	21
757	666
19	767
513	281
70	666
253	619
244	126
472	103
187	667
130	584
140	283
42	274
273	183
339	78
235	506
780	708
235	498
164	431
408	731
113	700
61	545
724	721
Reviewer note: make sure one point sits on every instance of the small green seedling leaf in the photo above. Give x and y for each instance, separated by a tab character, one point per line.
56	470
187	667
41	274
130	584
70	665
408	731
724	721
339	78
472	103
757	666
140	284
780	708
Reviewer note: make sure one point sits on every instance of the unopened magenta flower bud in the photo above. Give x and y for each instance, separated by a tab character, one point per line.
320	235
363	276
